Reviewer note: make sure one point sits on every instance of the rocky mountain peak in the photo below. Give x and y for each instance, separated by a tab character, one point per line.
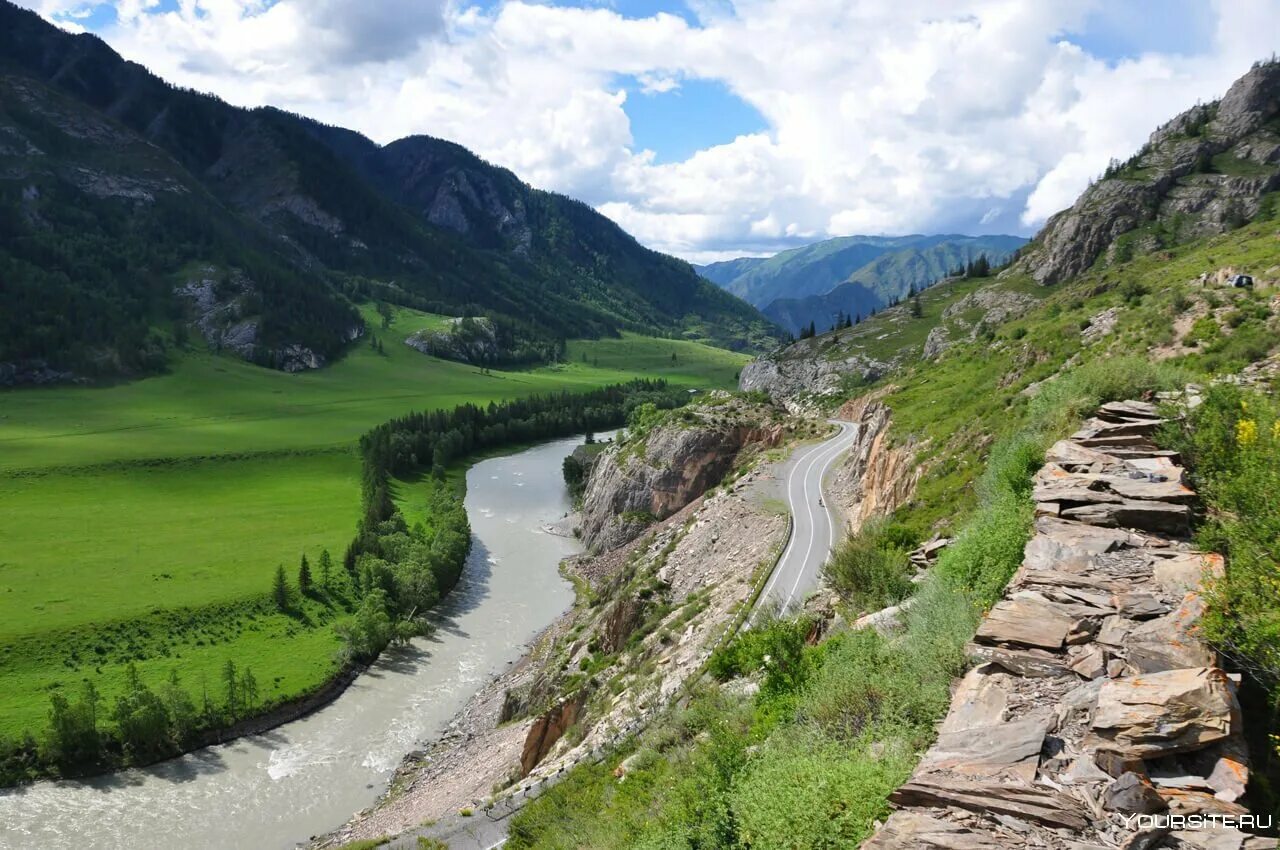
1203	172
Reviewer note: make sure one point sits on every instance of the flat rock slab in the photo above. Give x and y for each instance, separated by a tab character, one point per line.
1080	536
1170	642
1032	663
1164	713
1006	751
1187	571
1123	410
1067	453
918	831
1148	516
993	798
1025	622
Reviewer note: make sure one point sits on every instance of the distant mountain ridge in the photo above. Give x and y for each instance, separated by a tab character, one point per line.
130	208
853	275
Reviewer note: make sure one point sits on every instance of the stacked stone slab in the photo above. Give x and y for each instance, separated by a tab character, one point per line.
1093	698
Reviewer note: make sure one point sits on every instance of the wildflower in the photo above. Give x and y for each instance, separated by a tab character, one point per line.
1246	432
1275	430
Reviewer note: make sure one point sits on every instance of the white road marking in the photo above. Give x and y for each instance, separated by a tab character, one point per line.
833	451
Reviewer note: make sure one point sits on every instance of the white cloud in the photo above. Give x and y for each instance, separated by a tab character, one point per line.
884	116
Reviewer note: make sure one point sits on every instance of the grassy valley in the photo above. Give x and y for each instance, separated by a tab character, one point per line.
143	522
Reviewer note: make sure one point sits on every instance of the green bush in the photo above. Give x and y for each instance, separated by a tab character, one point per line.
869	570
813	794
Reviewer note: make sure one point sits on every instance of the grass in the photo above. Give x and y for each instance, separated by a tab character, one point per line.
142	522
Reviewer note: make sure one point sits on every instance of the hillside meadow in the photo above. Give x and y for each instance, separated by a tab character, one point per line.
142	522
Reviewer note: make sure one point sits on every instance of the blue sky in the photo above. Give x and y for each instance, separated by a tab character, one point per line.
720	127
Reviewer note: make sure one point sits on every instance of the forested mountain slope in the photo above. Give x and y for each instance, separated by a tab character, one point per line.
260	227
853	275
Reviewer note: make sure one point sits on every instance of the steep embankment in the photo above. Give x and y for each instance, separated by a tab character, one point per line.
1094	698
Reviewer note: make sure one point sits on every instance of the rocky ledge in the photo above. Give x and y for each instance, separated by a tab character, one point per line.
1093	699
648	477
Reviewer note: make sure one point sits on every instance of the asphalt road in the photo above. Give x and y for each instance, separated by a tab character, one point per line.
813	534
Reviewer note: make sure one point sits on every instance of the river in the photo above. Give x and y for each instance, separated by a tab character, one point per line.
307	777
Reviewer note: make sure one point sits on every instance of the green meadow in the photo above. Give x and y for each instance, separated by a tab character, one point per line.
142	522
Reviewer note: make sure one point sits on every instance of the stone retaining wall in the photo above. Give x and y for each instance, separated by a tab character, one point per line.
1093	700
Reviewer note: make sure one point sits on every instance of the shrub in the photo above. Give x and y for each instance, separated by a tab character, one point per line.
813	794
1204	329
869	569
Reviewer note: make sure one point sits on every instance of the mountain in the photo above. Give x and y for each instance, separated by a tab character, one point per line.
723	272
855	275
810	269
1204	172
134	213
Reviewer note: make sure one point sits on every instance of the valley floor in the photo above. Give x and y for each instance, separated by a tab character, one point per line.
177	496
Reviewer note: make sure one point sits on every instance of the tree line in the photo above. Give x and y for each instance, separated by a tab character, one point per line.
399	571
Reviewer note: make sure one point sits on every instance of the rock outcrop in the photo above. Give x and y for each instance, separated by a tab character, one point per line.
799	376
874	476
651	476
225	310
1205	170
466	340
1093	698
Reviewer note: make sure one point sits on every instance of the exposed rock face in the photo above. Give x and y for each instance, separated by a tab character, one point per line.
224	314
467	340
1174	177
794	377
547	730
874	477
1092	697
636	482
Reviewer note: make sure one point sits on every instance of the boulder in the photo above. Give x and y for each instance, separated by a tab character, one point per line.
1164	713
1133	794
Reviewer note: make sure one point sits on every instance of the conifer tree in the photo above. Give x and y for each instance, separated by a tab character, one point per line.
304	576
326	568
280	589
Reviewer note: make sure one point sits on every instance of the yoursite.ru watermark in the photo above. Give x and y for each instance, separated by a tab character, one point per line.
1244	823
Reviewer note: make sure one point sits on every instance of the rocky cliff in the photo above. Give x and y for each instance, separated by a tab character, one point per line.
874	477
1093	698
1204	172
649	476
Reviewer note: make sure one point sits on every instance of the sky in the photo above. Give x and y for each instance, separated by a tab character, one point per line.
713	129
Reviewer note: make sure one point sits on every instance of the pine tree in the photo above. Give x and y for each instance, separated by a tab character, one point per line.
917	309
304	576
280	589
231	682
248	688
326	568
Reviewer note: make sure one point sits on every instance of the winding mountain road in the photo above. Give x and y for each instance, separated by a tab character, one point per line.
813	532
